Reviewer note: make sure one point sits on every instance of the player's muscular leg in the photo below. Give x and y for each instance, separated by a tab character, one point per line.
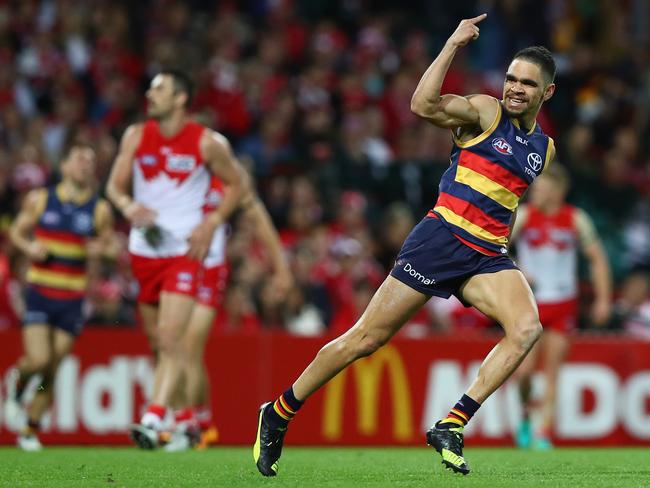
149	318
175	311
61	343
506	297
391	306
194	342
37	350
524	373
555	347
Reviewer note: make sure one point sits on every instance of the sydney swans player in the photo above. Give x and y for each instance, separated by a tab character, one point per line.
159	182
549	234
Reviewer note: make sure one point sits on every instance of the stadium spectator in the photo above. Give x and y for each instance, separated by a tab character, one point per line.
255	83
632	308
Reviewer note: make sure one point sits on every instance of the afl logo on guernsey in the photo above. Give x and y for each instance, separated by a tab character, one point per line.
502	146
148	160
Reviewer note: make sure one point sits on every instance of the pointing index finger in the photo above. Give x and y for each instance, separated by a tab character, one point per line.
478	19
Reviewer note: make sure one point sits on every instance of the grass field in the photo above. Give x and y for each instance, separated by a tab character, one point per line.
327	467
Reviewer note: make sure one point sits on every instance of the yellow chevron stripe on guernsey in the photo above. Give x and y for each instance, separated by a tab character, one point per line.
63	249
475	230
56	279
487	187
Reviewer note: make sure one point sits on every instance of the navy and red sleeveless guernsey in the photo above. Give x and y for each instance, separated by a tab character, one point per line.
63	228
488	175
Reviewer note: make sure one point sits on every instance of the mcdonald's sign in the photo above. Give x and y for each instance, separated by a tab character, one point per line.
368	373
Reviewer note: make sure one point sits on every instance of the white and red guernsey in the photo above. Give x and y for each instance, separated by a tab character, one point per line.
547	250
170	177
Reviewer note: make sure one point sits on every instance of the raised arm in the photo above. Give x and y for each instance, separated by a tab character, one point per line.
452	111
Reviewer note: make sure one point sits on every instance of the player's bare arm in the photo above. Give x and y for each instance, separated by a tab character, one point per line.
601	279
474	113
105	244
550	157
118	188
266	232
221	161
21	230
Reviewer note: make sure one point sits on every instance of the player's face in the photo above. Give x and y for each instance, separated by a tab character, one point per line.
161	97
524	89
546	192
79	167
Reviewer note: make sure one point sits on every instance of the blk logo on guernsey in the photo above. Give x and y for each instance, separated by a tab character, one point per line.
502	146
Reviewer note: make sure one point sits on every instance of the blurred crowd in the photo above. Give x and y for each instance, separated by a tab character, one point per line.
315	98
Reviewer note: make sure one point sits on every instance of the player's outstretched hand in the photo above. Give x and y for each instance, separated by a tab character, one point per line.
466	31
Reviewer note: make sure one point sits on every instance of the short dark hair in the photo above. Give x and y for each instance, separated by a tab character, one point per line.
74	143
182	83
540	56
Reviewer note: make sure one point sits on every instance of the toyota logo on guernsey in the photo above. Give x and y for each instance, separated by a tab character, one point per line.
535	161
502	146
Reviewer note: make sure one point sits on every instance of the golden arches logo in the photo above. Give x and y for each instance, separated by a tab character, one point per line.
368	374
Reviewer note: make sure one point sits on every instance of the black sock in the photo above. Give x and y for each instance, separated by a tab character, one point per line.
279	413
461	414
20	386
32	427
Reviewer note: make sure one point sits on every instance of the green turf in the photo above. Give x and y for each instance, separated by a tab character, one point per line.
327	467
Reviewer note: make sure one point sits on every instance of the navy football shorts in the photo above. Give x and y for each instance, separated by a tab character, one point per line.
62	314
434	262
